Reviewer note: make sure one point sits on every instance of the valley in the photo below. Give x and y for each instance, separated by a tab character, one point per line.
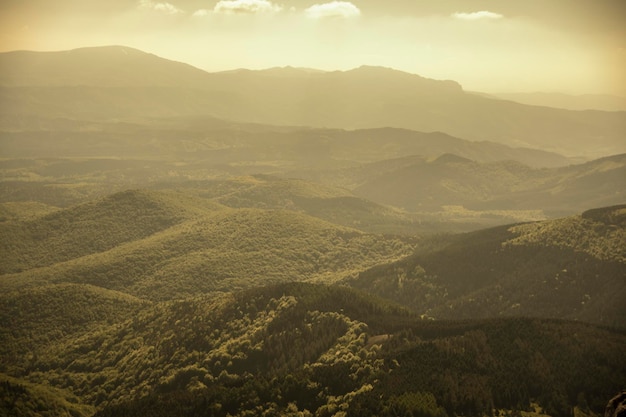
289	242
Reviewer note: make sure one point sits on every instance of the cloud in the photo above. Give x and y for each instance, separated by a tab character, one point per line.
201	13
482	15
246	6
333	9
164	7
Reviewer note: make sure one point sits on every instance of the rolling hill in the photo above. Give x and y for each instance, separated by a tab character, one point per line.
572	268
302	349
86	229
37	318
423	184
165	245
114	83
335	205
603	102
181	243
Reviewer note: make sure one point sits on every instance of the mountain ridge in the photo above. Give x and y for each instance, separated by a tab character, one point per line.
516	270
422	184
360	98
221	355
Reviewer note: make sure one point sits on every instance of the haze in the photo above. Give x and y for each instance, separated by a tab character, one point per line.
574	47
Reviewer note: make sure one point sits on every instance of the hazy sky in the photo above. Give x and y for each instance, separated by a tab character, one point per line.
575	46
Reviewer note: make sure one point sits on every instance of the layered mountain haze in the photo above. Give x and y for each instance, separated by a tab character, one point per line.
603	102
118	82
297	242
420	184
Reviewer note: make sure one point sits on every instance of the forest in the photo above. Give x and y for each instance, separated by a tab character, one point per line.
208	248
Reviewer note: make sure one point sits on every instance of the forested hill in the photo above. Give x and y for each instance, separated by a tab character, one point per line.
90	228
573	267
303	349
163	245
273	243
423	184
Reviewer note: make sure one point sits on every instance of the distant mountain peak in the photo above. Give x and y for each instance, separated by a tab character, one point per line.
122	49
447	158
290	71
387	72
374	70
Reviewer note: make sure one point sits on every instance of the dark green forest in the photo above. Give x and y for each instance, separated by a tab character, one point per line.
319	350
171	303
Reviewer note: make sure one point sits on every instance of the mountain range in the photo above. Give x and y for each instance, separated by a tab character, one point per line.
293	242
122	83
420	184
532	269
603	102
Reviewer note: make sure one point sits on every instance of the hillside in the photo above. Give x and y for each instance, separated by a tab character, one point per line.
421	184
108	145
317	350
570	268
115	83
294	242
86	229
603	102
36	318
333	204
129	242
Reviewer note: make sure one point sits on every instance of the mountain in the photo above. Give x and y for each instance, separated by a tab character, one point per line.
117	83
113	145
571	268
422	184
52	314
86	229
602	102
277	243
168	245
335	205
107	66
406	195
302	349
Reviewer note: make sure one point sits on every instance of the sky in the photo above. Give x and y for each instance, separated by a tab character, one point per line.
569	46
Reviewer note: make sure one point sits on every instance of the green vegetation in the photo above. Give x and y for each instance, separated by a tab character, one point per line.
157	261
172	303
567	268
83	230
600	233
36	318
19	398
321	350
166	251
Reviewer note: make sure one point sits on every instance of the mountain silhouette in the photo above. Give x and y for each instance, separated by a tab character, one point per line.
119	82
